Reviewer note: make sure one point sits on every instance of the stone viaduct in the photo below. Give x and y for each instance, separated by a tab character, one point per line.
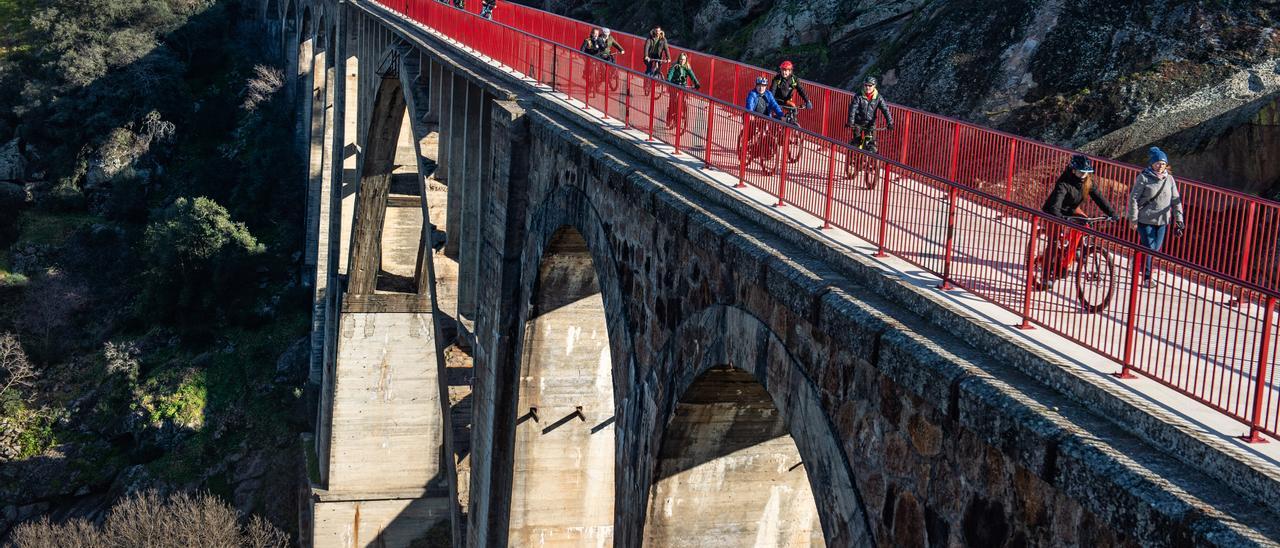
532	330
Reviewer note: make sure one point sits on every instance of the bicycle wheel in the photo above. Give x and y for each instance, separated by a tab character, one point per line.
795	146
1095	279
1039	245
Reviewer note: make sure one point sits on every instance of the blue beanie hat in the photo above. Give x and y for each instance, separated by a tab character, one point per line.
1157	155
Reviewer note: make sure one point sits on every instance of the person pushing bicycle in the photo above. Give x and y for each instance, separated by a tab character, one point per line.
1066	201
862	116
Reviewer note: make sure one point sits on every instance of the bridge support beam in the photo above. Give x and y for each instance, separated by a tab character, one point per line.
501	238
382	442
383	475
451	150
476	153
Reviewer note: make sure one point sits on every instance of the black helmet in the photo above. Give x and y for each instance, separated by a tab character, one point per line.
870	80
1081	163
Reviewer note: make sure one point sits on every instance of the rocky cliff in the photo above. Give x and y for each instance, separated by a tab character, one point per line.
1109	77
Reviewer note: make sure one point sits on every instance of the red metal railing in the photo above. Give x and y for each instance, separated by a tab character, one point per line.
1228	232
1179	333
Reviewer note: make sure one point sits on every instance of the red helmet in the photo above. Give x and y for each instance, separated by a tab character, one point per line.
785	65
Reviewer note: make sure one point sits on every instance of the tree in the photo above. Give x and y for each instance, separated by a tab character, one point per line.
199	261
16	372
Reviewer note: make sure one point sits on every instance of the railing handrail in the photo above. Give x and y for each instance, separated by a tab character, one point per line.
1023	139
1159	329
1244	284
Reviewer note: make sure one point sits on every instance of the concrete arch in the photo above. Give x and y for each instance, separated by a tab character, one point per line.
566	246
721	335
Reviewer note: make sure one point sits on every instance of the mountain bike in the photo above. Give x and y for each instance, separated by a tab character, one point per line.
656	74
860	164
677	112
1095	268
795	143
762	145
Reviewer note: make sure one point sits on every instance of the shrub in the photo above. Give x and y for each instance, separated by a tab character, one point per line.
149	520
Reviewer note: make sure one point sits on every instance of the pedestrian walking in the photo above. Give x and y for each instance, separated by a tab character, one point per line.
1154	204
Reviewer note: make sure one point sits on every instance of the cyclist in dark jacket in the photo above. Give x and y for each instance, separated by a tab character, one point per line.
785	85
1069	191
862	116
656	52
592	45
1066	201
487	7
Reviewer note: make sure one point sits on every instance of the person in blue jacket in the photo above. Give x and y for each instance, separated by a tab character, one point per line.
760	100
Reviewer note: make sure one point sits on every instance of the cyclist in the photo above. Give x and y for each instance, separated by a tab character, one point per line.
785	86
862	116
487	7
592	45
656	52
761	101
607	45
681	74
1066	201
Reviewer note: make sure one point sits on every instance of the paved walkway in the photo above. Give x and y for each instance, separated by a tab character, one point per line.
1211	348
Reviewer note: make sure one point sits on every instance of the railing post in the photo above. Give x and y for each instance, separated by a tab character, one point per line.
736	68
653	104
1260	384
626	117
884	212
1013	157
906	139
555	64
1246	253
782	159
1131	319
608	77
711	134
955	153
826	105
1031	274
674	93
951	231
742	150
831	185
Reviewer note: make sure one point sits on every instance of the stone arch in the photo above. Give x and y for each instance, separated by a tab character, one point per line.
725	363
573	351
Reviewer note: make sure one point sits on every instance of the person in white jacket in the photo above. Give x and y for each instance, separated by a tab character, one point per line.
1154	204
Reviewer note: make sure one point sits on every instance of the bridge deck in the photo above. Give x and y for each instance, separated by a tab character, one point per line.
1196	348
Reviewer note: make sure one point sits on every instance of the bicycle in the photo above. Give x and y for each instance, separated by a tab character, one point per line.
1095	268
856	164
762	145
677	112
795	144
656	74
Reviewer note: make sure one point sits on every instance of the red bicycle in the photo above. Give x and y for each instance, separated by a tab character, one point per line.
1095	268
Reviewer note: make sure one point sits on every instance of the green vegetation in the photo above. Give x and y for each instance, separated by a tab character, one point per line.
150	277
